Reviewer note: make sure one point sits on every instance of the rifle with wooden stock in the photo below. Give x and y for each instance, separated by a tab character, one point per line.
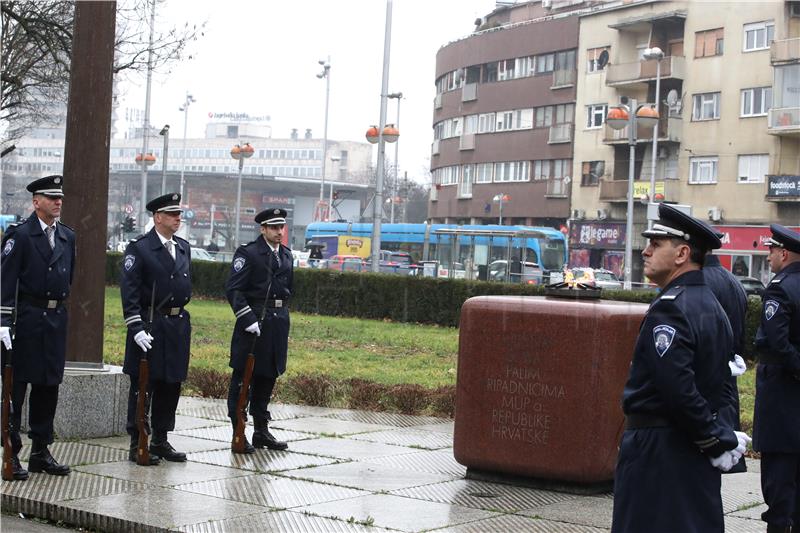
8	385
238	445
142	446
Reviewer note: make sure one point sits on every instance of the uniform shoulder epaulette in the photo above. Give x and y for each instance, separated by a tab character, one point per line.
672	294
137	238
182	241
778	278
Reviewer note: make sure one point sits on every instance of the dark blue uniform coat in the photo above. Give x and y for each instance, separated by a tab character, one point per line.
43	274
776	420
147	262
253	268
664	480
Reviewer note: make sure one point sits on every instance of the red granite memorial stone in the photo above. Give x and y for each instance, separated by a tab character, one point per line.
540	384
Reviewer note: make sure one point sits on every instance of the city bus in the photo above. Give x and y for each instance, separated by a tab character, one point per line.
460	250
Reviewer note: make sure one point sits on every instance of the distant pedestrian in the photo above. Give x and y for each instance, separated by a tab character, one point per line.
776	420
158	262
668	470
260	266
38	261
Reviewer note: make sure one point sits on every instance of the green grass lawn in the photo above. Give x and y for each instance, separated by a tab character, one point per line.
339	348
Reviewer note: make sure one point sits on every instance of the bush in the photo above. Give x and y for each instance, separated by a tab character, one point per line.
364	394
208	383
311	389
443	401
409	399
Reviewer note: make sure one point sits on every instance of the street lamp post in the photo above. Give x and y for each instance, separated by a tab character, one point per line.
334	159
240	153
185	108
146	126
657	54
501	198
630	116
322	213
398	96
164	133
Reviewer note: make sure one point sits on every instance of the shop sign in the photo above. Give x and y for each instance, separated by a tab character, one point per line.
744	238
783	186
597	235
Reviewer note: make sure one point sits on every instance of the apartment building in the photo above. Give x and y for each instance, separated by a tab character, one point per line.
729	131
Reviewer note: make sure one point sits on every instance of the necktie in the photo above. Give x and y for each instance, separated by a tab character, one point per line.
170	248
277	257
51	237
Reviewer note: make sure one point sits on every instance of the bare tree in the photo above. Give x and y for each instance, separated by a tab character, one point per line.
36	40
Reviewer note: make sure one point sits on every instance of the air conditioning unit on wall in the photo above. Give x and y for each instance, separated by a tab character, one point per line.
714	214
578	214
602	214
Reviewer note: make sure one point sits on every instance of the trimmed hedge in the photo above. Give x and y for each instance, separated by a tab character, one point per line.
397	298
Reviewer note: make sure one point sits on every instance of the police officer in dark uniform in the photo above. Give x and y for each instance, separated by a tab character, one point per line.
776	421
38	260
731	296
668	470
160	261
264	264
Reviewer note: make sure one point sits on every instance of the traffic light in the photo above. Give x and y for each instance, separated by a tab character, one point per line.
129	225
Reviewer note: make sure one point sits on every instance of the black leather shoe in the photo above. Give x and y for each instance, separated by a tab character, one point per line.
42	461
154	459
20	474
264	439
166	451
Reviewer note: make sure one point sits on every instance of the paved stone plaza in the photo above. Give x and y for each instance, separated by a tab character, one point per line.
345	471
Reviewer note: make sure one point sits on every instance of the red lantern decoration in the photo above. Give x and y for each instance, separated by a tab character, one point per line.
247	150
372	134
390	133
617	118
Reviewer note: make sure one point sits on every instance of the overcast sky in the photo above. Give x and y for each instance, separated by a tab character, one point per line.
260	57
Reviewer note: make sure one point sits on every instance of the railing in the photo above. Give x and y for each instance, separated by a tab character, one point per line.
437	101
564	78
467	142
623	73
784	118
469	92
785	50
670	128
556	187
560	133
435	147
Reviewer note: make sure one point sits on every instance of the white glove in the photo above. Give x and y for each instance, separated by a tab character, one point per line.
737	366
744	440
144	340
254	329
5	336
724	462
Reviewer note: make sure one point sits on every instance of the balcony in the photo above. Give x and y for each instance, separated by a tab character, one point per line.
784	51
437	101
556	188
784	121
783	188
670	129
435	147
563	78
560	133
469	92
467	142
643	71
616	191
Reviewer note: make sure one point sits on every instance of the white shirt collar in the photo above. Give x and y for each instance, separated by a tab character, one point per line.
45	226
164	239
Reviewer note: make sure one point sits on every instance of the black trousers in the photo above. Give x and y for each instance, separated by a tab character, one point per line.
260	392
780	483
163	402
41	412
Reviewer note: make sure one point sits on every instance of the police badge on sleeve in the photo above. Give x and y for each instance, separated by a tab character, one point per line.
662	336
8	247
128	262
770	308
238	264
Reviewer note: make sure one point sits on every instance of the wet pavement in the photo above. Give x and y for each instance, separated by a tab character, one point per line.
345	471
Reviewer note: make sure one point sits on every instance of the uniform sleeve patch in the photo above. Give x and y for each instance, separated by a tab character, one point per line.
129	261
770	308
8	247
238	264
662	337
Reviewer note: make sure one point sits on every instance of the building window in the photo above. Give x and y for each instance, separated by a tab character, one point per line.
756	102
490	72
703	170
565	60
541	169
593	59
526	66
505	120
470	124
486	123
591	171
483	173
523	119
465	187
506	70
565	113
706	106
758	35
545	63
595	115
708	43
753	168
544	116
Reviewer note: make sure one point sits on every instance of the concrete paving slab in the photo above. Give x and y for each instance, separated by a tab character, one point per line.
76	453
485	495
180	442
741	491
427	440
271	491
16	524
345	448
284	521
435	462
215	412
584	511
444	427
395	512
387	419
744	525
225	433
327	426
163	508
753	511
366	476
191	422
262	461
509	523
46	488
164	475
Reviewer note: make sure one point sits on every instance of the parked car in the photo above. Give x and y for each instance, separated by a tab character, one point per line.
752	286
300	259
345	262
202	255
593	277
530	273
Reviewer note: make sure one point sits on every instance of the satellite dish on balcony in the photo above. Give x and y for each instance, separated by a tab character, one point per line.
674	102
602	61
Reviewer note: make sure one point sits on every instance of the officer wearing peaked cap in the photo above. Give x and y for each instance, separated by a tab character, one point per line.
38	259
776	420
668	470
258	267
159	262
